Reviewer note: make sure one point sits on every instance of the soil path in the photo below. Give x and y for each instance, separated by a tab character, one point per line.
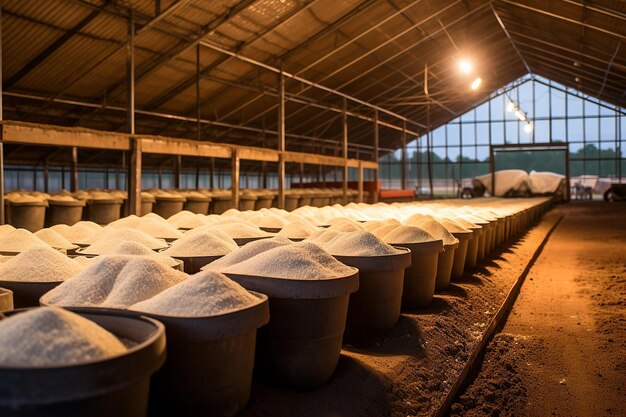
563	348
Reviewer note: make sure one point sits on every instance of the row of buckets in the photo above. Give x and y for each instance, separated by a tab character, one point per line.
208	369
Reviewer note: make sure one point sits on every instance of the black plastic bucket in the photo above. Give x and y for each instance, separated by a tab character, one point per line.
64	212
6	300
375	308
444	266
166	207
193	264
471	258
301	345
419	278
116	386
241	241
460	254
26	215
197	205
27	294
209	364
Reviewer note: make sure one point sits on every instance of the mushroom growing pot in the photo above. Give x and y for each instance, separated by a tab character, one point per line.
375	308
167	206
27	294
444	266
419	278
28	215
64	212
301	344
208	371
116	386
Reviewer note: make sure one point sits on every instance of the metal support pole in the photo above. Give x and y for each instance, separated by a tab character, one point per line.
345	152
1	144
134	177
403	171
178	161
46	177
281	141
492	170
130	76
212	173
198	174
376	141
198	128
360	188
160	177
234	178
301	173
74	176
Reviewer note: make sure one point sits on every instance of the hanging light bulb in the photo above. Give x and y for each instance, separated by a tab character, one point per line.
465	66
510	106
528	127
520	115
476	83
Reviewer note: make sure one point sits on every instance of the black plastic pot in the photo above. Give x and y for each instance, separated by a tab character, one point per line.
197	205
471	258
103	211
116	386
27	294
419	278
375	308
444	266
166	207
27	215
460	254
6	300
64	212
301	345
240	241
209	364
193	264
221	203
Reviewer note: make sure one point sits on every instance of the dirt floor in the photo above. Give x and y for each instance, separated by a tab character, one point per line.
409	372
563	348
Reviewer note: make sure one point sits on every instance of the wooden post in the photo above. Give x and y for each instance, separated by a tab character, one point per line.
360	181
46	176
234	178
376	138
281	141
212	173
178	171
134	177
1	118
74	177
301	173
403	183
345	152
198	174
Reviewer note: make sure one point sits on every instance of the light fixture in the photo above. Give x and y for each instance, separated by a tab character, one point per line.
520	115
465	66
510	106
528	127
476	83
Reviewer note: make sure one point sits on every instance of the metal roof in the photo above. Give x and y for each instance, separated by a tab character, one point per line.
64	62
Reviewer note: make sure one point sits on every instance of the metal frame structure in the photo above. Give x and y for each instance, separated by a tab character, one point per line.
451	139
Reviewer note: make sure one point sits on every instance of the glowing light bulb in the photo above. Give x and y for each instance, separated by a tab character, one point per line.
465	66
510	106
520	115
476	83
528	127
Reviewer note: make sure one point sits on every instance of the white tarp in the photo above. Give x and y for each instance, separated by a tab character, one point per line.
506	180
544	182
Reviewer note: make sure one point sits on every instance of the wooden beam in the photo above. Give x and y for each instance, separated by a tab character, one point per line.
170	146
281	141
38	134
